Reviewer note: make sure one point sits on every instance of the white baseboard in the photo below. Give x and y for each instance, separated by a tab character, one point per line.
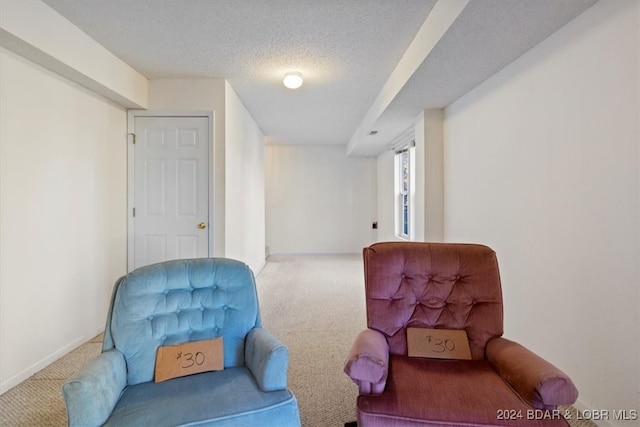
260	268
284	254
16	379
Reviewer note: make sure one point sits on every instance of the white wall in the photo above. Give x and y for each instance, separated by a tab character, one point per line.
318	200
245	202
63	204
238	158
183	95
62	215
431	125
542	164
36	32
386	202
428	188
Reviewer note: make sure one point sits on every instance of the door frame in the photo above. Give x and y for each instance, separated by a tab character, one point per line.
131	116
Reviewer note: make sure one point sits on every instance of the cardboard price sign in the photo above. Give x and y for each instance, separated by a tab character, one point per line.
438	343
189	358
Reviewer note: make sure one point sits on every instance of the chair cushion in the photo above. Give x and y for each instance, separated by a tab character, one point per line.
223	398
433	285
423	392
181	301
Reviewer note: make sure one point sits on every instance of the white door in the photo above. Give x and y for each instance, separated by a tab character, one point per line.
171	190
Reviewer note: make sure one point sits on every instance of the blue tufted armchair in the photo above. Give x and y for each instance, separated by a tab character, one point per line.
176	302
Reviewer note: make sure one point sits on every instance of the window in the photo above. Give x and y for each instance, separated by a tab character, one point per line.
404	191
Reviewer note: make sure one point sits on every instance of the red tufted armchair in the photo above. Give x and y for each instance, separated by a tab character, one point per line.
446	286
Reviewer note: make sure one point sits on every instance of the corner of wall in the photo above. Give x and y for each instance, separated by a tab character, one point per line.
36	32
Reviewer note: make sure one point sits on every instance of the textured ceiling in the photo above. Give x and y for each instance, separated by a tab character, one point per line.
346	50
486	36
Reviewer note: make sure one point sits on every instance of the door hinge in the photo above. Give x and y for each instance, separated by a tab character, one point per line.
134	212
133	137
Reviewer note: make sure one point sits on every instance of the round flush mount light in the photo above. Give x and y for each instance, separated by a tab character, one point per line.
292	80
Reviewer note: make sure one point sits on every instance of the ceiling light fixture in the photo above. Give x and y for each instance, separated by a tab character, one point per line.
292	80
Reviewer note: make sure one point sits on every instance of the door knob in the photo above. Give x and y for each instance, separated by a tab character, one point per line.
202	226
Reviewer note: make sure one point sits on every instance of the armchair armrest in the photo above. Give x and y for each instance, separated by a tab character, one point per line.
537	381
367	363
267	359
92	393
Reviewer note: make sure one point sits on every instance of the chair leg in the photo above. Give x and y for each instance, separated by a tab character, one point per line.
351	424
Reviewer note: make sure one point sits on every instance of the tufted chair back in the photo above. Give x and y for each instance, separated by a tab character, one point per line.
180	301
433	285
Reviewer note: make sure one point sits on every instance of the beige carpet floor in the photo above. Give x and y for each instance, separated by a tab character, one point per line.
314	304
